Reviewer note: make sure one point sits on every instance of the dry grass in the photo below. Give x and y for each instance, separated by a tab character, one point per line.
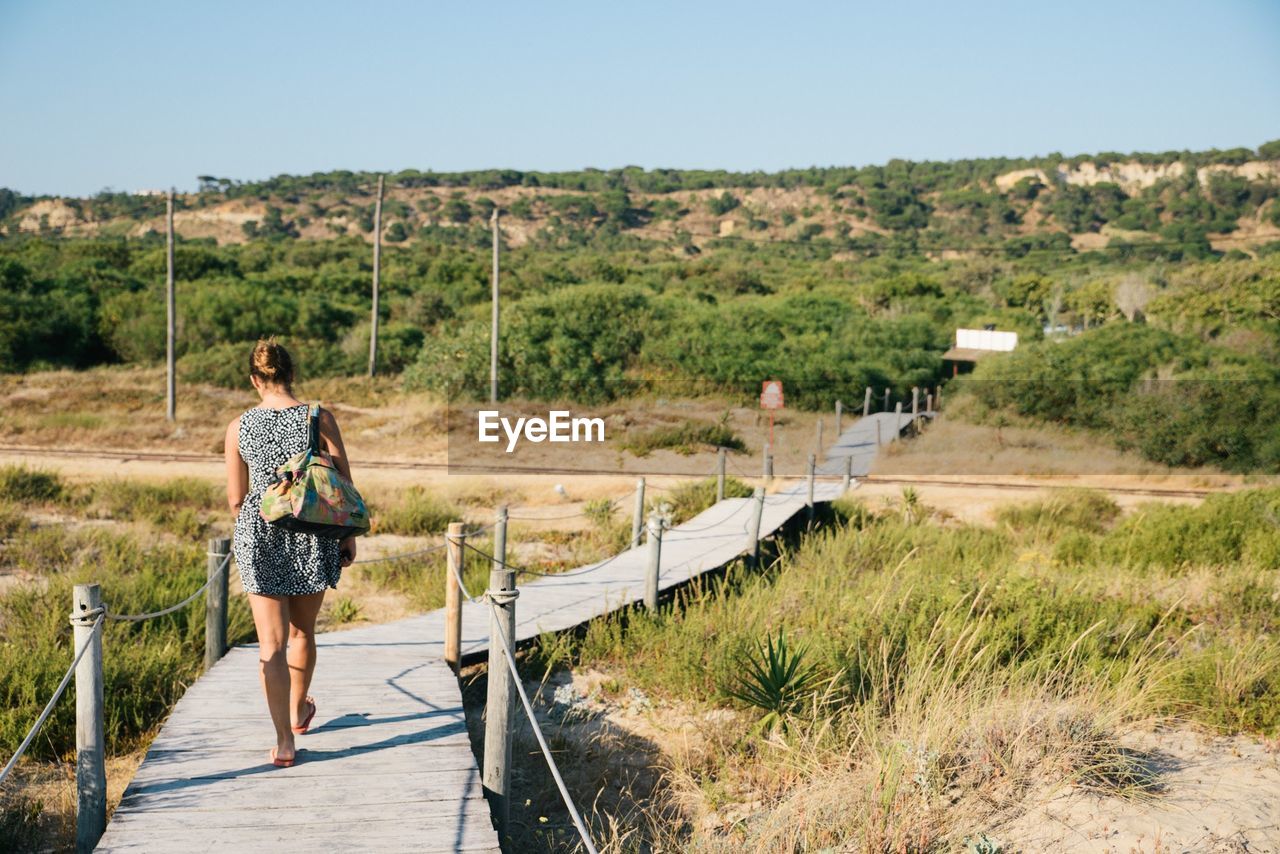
956	445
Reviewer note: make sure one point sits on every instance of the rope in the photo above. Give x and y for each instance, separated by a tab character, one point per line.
62	686
533	721
134	618
421	552
524	571
404	556
576	515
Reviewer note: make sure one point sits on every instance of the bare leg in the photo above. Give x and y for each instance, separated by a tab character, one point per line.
271	617
302	651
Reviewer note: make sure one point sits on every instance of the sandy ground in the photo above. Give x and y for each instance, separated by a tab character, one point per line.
1214	795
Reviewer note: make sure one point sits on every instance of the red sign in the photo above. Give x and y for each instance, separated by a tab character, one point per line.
771	394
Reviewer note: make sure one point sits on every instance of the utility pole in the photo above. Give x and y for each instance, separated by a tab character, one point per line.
377	269
493	335
171	323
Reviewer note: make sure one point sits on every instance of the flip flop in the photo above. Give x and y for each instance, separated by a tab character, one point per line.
306	724
282	763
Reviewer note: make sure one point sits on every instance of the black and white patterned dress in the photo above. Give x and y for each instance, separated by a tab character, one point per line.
273	561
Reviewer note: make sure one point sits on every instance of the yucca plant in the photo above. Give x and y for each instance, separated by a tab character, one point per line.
775	679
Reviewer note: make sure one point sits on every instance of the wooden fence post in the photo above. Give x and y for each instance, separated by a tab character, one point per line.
720	458
637	520
91	768
753	531
839	419
821	428
915	403
813	469
768	463
897	422
939	400
215	601
848	472
655	562
866	403
928	403
501	688
454	540
879	439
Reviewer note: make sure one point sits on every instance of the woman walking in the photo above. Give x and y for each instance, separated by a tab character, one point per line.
285	573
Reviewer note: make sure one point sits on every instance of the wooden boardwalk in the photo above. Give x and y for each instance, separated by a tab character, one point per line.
388	764
861	441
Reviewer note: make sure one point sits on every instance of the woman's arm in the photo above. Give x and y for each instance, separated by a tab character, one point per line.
331	444
237	471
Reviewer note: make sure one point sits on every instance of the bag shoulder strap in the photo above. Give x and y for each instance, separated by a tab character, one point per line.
313	428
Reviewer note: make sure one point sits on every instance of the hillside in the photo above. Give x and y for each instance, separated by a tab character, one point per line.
1191	202
625	283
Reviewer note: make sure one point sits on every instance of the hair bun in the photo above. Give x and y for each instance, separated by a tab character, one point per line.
271	362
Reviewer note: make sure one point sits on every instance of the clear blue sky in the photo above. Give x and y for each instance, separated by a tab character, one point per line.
135	95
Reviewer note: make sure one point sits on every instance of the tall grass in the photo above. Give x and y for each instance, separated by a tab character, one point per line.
957	669
146	665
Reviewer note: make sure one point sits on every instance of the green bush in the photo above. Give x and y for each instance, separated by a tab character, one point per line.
1080	509
416	512
687	437
25	485
690	498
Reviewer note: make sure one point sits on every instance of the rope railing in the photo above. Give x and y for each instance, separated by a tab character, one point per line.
137	618
510	658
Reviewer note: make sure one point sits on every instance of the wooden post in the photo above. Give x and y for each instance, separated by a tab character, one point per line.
866	403
215	601
839	419
91	768
818	447
928	403
753	530
848	472
939	400
720	457
501	689
171	318
493	333
915	402
879	440
886	401
655	562
813	468
377	270
768	463
897	421
453	596
637	519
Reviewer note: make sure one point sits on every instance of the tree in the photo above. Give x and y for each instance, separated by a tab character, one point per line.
722	204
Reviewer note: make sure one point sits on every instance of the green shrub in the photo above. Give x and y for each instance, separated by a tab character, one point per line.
687	437
1081	509
177	505
690	498
416	512
21	484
